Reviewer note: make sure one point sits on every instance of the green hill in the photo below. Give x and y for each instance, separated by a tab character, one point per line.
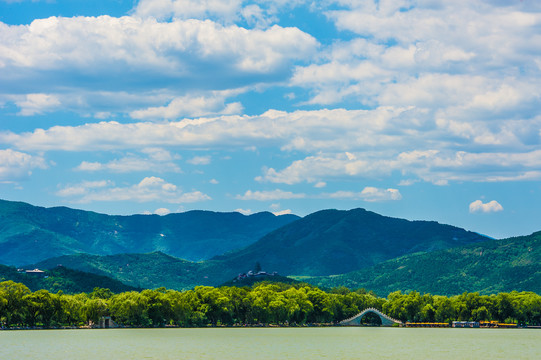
155	270
326	242
489	267
334	242
67	280
259	279
149	271
29	234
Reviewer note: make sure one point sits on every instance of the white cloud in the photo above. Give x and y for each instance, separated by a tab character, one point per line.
162	211
451	89
160	69
275	206
214	181
269	195
159	160
345	143
244	211
314	168
189	9
37	104
83	188
258	13
438	167
479	206
466	54
141	66
199	160
373	194
282	212
299	130
370	194
15	165
159	154
191	106
147	190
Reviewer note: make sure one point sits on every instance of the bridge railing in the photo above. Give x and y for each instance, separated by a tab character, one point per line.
378	312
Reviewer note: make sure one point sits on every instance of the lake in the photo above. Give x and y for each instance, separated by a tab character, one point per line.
272	343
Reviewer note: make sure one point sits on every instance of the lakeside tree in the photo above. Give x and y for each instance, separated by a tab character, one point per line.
263	303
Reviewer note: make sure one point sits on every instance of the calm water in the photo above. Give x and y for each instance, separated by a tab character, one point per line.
272	343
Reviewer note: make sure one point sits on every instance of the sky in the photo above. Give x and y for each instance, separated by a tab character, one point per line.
417	109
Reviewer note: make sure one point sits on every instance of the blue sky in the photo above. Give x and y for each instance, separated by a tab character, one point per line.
419	109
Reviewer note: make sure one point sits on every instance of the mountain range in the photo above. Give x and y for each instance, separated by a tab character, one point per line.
336	241
63	279
354	248
29	234
489	267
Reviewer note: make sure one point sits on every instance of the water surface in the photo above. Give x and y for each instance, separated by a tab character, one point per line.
272	343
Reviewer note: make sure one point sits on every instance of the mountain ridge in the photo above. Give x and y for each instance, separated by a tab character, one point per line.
488	267
30	233
63	279
338	241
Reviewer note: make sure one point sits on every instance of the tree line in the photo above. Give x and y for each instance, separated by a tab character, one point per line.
264	303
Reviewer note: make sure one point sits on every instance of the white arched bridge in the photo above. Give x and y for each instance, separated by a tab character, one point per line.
356	320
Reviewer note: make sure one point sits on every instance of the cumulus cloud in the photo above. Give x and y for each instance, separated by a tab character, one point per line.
434	166
191	106
345	143
162	211
450	91
199	160
159	160
258	13
149	189
37	104
81	58
299	130
105	40
190	9
83	188
492	206
373	194
369	193
269	195
419	54
15	165
282	212
244	211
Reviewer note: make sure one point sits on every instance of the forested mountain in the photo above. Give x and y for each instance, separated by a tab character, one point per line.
334	242
68	281
327	242
355	248
29	234
488	267
141	270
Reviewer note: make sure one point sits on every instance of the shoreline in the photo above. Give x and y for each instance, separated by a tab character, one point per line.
532	327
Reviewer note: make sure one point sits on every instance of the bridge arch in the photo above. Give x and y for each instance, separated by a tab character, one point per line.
356	320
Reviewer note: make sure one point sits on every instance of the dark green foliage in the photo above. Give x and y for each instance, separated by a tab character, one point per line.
251	281
30	234
488	267
63	279
139	270
334	242
263	303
